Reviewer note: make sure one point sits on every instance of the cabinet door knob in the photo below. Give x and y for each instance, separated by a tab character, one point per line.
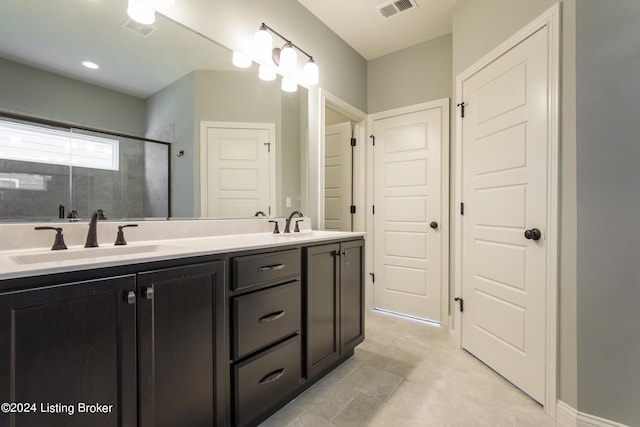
131	297
148	293
433	225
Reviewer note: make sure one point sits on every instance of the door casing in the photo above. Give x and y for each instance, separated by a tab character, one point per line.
550	19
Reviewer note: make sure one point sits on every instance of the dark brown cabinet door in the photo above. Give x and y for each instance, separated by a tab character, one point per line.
351	295
322	298
180	346
67	355
334	286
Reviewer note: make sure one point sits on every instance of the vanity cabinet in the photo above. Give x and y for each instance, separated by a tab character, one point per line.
334	283
213	340
68	344
147	346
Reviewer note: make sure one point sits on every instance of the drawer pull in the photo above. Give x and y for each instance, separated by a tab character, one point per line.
271	317
271	267
269	378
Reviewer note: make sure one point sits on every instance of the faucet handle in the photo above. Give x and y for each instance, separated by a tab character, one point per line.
276	230
120	238
297	229
58	243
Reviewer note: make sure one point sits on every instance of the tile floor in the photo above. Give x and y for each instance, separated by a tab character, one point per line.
405	374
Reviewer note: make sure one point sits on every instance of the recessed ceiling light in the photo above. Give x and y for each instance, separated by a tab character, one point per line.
90	64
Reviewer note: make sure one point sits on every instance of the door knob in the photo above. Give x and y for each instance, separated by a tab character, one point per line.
433	225
532	234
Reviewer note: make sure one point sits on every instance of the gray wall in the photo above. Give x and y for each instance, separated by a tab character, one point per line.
410	76
608	177
28	90
227	96
343	72
173	108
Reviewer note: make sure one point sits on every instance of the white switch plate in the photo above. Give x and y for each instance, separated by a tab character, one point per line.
287	202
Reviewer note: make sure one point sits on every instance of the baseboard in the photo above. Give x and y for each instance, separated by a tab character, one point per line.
567	416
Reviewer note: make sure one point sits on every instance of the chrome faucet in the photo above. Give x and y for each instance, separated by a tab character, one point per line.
288	223
92	238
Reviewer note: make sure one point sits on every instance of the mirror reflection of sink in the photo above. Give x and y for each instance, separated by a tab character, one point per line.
89	253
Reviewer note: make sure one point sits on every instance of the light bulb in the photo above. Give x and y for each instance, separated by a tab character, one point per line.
262	42
241	60
288	84
266	73
288	59
311	73
141	12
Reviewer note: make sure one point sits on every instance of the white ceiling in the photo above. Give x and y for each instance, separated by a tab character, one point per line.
47	35
359	23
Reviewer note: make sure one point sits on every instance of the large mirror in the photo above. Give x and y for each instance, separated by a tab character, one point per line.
162	82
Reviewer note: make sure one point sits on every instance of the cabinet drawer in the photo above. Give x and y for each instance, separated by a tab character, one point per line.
254	270
263	381
263	317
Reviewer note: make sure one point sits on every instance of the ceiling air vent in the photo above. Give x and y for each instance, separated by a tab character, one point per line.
140	29
393	8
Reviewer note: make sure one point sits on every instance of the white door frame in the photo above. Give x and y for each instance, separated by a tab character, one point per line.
204	155
443	104
550	19
359	118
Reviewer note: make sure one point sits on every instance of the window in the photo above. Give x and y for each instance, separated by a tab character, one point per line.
43	145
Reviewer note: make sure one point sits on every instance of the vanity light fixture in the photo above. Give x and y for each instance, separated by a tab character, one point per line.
144	11
279	60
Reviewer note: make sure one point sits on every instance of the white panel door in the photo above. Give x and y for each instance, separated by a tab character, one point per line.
337	177
504	160
238	172
407	199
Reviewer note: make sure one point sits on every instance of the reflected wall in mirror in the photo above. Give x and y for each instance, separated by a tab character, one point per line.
157	81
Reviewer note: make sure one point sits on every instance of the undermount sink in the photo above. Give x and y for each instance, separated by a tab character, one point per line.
88	253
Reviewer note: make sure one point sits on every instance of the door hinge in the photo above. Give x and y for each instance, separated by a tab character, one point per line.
268	144
352	209
373	139
373	277
461	303
269	210
353	142
461	105
462	208
373	209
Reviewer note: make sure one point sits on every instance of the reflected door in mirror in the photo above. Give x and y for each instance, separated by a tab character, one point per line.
238	178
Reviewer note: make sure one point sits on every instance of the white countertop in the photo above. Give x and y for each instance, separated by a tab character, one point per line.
36	262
